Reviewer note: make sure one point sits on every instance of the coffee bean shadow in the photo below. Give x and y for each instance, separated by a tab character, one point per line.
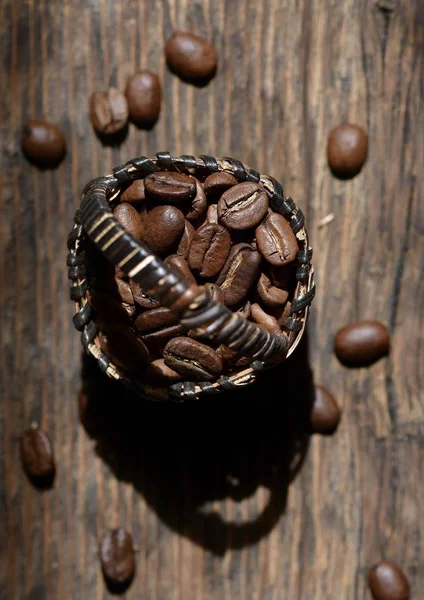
187	458
43	484
115	139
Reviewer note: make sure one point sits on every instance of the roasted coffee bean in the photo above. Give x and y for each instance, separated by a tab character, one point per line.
169	187
198	204
231	358
157	318
43	143
209	250
325	415
218	183
124	291
108	111
361	343
157	340
117	556
191	57
159	372
129	218
276	240
37	456
164	228
215	292
212	214
121	344
192	359
180	265
263	318
269	294
186	239
388	582
239	273
246	310
134	193
281	313
347	149
242	206
144	96
141	297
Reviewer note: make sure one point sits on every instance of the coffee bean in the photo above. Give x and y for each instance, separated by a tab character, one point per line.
212	214
144	96
108	111
269	294
164	228
186	239
347	150
37	456
191	57
121	344
117	556
218	183
209	250
134	193
388	582
170	187
198	204
276	240
239	273
215	292
43	143
192	359
325	414
155	319
124	291
263	318
141	297
242	206
180	265
281	313
159	372
361	343
246	310
157	340
129	218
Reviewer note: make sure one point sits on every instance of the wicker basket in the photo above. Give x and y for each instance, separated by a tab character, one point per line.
210	320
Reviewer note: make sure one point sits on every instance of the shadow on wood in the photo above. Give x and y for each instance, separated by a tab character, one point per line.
184	457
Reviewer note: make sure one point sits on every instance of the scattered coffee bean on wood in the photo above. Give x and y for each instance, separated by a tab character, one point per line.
191	57
37	456
361	343
347	150
325	414
144	96
43	143
387	582
242	206
108	111
117	557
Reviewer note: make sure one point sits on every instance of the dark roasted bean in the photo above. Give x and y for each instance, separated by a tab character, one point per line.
269	294
164	228
121	344
169	187
347	149
108	111
192	359
246	310
212	214
37	455
117	556
141	297
157	340
218	183
124	291
388	582
276	240
180	265
159	372
191	57
129	218
43	143
325	414
239	273
361	343
186	239
263	318
134	193
209	250
242	206
198	204
215	292
144	96
154	319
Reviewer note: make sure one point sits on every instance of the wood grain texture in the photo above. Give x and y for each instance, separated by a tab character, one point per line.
289	71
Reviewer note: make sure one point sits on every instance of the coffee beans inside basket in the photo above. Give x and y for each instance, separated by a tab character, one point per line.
212	231
37	456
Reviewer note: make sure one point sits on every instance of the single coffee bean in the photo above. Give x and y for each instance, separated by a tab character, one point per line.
186	239
159	372
361	343
209	250
347	149
388	582
325	414
198	204
276	240
180	265
242	206
124	291
192	359
122	345
170	187
263	318
157	340
239	273
246	310
281	313
141	297
164	228
108	111
43	143
117	556
215	292
134	193
129	218
37	455
212	214
269	294
218	183
155	319
191	57
144	96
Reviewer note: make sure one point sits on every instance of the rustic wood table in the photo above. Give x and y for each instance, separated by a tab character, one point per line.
227	499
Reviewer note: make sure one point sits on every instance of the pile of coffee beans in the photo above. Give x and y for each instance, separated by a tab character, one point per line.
213	231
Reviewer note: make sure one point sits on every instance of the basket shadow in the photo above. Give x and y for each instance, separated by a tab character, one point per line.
186	458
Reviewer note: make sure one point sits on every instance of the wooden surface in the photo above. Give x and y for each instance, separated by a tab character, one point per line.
206	491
